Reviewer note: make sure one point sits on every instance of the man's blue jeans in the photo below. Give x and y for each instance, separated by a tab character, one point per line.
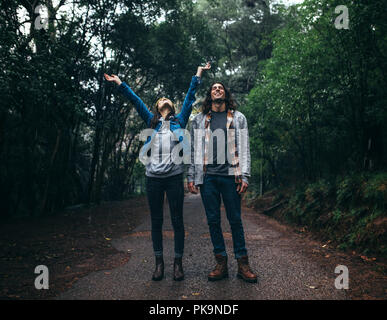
214	188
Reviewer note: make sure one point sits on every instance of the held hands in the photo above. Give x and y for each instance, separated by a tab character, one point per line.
192	188
241	187
201	69
113	77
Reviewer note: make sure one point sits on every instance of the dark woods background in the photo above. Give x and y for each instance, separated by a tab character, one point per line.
315	96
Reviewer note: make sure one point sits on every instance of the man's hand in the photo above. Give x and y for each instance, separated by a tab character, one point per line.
242	187
113	77
201	69
192	188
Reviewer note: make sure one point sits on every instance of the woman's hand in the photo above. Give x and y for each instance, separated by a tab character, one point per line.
201	69
113	77
192	188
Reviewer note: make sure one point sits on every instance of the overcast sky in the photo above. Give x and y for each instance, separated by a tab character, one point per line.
290	1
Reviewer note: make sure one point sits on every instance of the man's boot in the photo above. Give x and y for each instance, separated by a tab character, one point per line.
221	270
178	273
159	271
244	271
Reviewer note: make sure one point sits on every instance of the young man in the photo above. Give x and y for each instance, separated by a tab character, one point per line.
220	165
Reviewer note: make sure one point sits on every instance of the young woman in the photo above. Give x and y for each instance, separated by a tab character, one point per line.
164	176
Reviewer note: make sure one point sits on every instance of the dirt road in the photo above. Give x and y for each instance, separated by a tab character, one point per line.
283	261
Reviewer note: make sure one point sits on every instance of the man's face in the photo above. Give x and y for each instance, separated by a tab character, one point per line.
217	92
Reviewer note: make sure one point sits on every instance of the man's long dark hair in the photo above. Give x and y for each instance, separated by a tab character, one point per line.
207	103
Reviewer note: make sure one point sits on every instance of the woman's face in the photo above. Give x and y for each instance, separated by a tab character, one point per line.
217	92
164	103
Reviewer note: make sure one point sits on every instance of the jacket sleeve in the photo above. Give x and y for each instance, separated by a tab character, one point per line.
186	110
244	150
141	108
191	166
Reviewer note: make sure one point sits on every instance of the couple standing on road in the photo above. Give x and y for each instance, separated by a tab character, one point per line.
217	177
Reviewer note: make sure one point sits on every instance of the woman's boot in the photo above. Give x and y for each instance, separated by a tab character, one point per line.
178	273
159	271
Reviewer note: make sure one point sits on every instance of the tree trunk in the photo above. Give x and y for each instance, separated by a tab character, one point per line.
43	202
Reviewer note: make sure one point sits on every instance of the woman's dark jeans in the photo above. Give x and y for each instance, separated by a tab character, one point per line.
213	189
174	188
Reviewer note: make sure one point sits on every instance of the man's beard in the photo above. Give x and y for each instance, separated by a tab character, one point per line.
218	100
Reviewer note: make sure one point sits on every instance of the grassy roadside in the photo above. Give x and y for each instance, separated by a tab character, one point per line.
349	211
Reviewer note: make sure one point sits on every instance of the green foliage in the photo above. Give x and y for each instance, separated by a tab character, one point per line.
350	211
242	38
375	191
337	216
66	136
348	191
317	107
314	97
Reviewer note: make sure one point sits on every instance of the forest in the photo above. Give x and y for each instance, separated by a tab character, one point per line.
310	79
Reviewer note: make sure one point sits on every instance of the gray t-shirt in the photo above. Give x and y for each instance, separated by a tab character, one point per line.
218	145
163	162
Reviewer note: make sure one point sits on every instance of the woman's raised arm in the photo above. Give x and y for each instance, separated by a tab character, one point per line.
201	69
186	110
140	106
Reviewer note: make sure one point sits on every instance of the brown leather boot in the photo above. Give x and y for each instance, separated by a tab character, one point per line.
178	273
158	274
221	270
244	271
